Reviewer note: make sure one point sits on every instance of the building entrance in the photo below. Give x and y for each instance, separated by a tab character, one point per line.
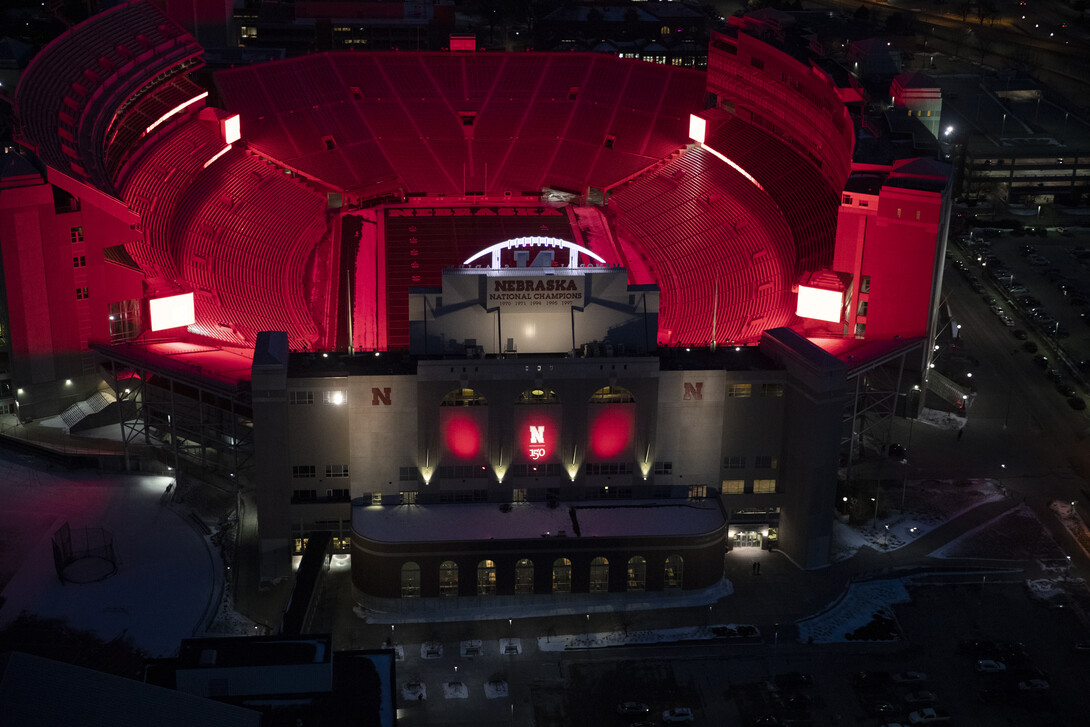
747	539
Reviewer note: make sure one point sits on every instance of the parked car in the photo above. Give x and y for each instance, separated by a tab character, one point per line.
1033	685
879	708
921	697
1007	321
990	666
928	715
632	708
678	714
910	676
1066	390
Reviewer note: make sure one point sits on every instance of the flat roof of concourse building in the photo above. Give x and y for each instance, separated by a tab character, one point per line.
486	521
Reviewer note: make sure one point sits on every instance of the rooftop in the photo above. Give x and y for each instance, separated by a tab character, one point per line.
534	520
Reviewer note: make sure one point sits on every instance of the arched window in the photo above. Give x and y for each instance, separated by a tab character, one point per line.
463	397
561	575
524	576
538	396
486	578
448	578
612	395
410	580
637	573
599	575
675	572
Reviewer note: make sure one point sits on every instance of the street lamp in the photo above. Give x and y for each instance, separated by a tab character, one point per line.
875	501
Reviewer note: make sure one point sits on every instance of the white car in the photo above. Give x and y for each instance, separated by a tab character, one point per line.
1008	321
990	666
678	714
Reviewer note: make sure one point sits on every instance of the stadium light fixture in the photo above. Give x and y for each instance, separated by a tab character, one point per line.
820	304
172	312
698	128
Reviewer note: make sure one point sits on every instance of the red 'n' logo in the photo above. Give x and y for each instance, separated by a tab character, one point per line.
694	391
380	396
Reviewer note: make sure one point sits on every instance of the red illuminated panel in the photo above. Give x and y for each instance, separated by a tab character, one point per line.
463	433
824	305
611	429
230	129
172	312
537	434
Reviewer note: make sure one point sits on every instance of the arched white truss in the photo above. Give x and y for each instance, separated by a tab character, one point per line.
573	250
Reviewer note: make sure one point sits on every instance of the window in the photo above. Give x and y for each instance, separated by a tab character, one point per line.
408	497
376	498
330	143
82	294
124	316
609	468
486	578
336	470
406	474
249	31
76	234
573	93
734	462
775	390
733	487
740	391
304	495
467	117
610	141
539	396
356	92
599	575
524	576
864	284
757	63
410	580
675	568
637	573
337	494
336	397
698	492
463	397
518	494
561	575
448	578
300	397
303	470
612	395
664	468
79	261
765	461
764	486
862	310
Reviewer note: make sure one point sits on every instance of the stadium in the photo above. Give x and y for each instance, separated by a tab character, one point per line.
320	210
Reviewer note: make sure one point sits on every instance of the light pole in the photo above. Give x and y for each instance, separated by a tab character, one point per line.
875	500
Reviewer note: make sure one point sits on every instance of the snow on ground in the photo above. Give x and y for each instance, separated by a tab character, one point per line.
166	573
597	640
861	605
169	582
896	528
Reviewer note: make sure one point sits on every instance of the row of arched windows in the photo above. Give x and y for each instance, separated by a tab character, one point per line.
636	576
604	395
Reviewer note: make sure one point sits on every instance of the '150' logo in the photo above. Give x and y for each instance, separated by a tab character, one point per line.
537	436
